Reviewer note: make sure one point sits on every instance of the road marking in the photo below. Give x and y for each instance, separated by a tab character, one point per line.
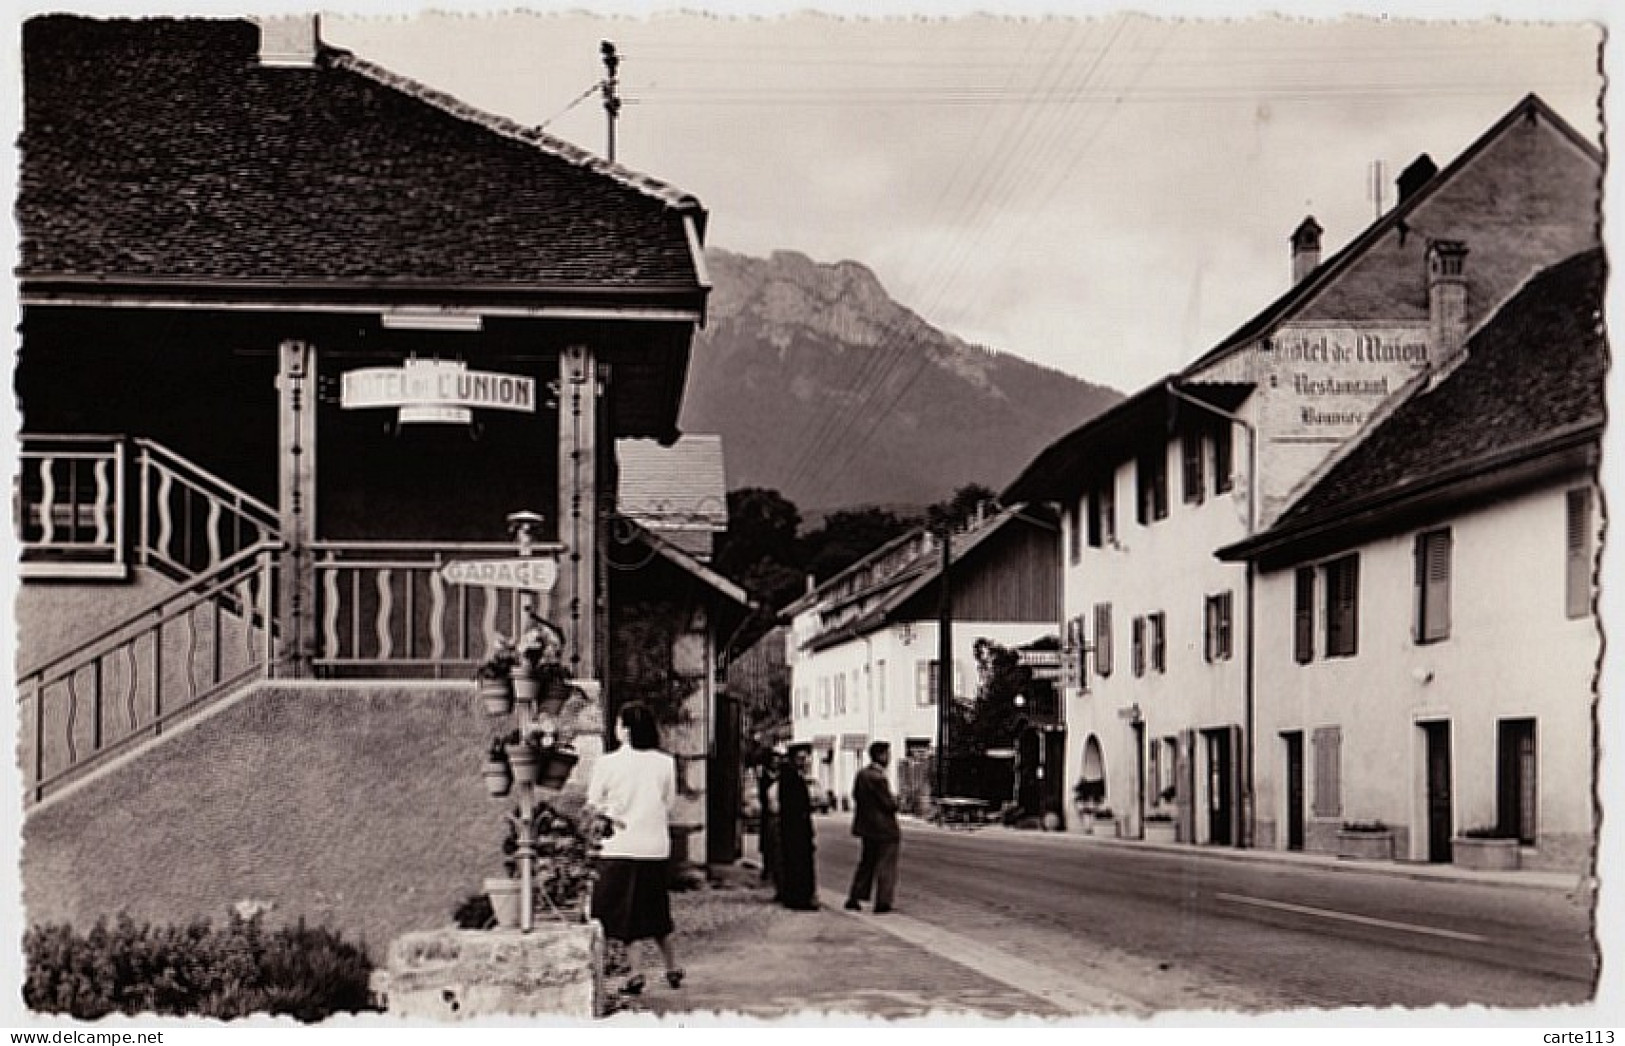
1059	989
1364	920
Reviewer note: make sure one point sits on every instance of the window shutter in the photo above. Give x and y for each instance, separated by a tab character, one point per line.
1433	552
1303	616
1103	638
1577	596
1342	607
1094	520
1191	449
1328	744
1137	647
1108	510
1158	624
1210	629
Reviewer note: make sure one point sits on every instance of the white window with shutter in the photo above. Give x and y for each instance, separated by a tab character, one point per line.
1433	552
1580	562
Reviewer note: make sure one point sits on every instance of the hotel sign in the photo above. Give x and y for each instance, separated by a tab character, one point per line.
436	390
1325	380
531	574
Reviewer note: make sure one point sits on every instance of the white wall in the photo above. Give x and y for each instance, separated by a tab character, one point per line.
1165	565
1512	653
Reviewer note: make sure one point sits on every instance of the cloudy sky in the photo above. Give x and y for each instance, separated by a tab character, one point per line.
1101	193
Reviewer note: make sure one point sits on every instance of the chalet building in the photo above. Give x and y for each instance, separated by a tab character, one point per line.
863	647
1160	632
299	337
1428	639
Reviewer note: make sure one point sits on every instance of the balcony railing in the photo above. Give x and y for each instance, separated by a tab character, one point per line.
384	609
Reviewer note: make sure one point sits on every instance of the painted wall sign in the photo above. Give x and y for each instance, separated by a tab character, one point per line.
1325	380
533	573
436	390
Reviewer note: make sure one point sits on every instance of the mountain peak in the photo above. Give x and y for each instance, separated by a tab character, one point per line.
829	391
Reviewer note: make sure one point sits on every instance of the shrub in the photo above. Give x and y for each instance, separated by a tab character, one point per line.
194	970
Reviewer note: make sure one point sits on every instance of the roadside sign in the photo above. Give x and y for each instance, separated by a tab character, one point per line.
532	573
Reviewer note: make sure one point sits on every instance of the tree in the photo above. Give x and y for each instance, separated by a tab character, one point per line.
762	525
961	507
847	537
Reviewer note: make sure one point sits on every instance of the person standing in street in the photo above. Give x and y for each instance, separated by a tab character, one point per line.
798	880
767	831
874	821
634	787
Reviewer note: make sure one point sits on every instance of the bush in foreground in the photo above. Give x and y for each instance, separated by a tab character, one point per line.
194	970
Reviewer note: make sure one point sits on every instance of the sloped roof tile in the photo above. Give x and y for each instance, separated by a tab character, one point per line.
161	150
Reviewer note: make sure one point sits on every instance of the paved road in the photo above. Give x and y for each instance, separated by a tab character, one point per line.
1177	931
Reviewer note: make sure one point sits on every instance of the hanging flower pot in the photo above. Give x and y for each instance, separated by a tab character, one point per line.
556	764
497	695
553	697
498	777
504	896
526	685
522	760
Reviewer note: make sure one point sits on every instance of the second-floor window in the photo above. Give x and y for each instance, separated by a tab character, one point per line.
1580	554
1136	646
1103	638
1343	606
1103	513
1432	586
1223	459
1303	615
1151	478
1217	617
1193	486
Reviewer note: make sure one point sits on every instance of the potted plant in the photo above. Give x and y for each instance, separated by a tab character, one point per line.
539	673
495	678
1486	848
1370	840
523	757
498	774
556	757
503	894
565	862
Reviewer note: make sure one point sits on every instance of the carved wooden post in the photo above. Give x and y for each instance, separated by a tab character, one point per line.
296	609
578	507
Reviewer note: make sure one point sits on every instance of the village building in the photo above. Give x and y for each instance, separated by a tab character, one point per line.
1428	638
863	647
322	374
1164	638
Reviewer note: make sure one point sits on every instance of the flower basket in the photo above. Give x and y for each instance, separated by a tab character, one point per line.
523	759
527	686
1366	841
552	697
498	777
1484	853
497	696
1161	830
504	896
555	767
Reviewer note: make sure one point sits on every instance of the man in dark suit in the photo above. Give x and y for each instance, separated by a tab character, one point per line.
798	878
874	821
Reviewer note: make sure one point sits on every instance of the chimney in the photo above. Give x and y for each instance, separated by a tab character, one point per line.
1447	302
1305	249
1418	174
289	41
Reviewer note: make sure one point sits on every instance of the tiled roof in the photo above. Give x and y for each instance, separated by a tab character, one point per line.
677	487
1533	378
160	151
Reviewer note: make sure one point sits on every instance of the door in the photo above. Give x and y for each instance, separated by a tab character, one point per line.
1294	789
1515	779
1220	795
1440	824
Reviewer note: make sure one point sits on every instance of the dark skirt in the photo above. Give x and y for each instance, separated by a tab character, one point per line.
630	898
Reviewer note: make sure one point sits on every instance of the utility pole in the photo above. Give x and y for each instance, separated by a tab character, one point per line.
945	654
612	99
